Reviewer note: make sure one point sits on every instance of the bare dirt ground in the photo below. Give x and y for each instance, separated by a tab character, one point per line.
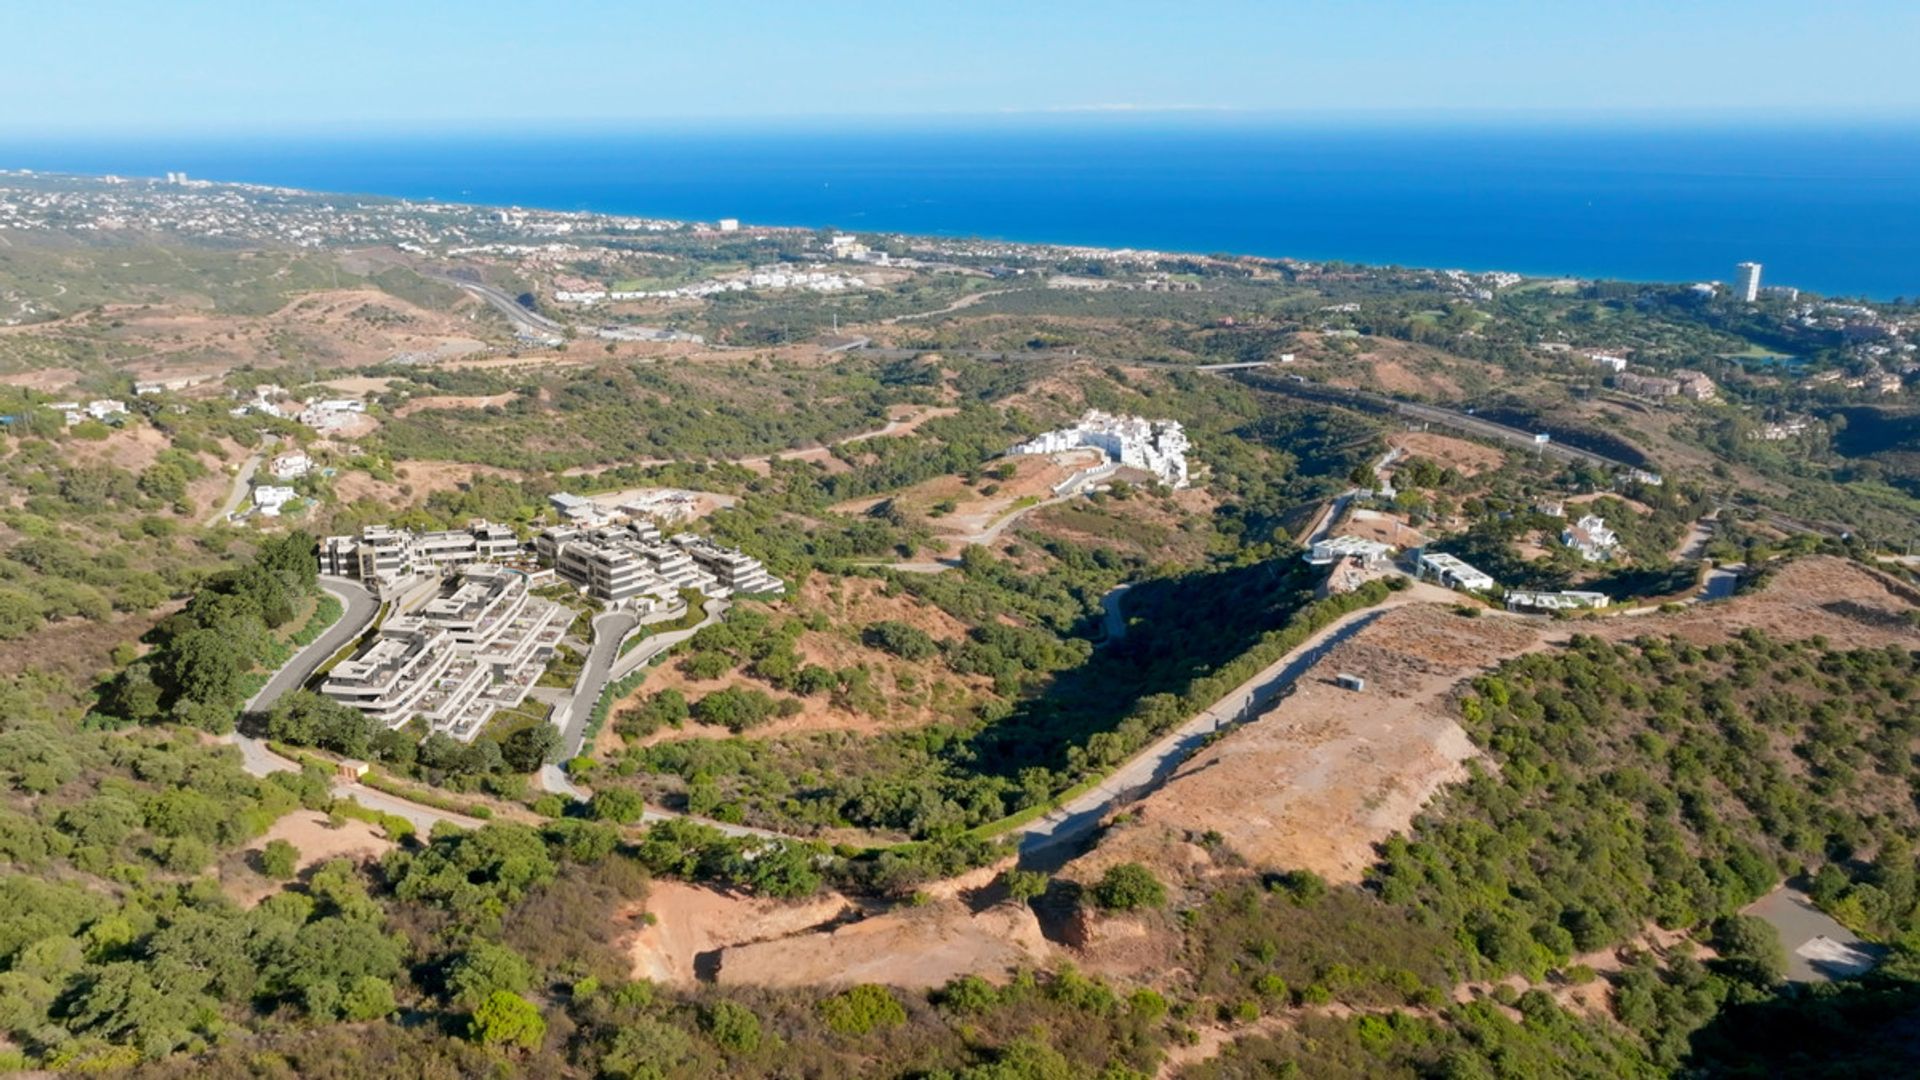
692	921
1395	367
1851	605
1317	780
421	478
359	385
336	327
1468	458
451	401
133	447
317	841
913	947
1382	527
45	380
1313	784
1033	478
1635	505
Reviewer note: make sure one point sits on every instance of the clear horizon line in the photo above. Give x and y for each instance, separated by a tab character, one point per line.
1092	113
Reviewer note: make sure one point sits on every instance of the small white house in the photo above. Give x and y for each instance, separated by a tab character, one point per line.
1455	572
291	465
1332	549
1591	538
270	498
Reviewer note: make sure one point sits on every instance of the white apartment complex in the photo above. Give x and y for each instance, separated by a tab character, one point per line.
1569	600
1746	281
477	647
383	557
1154	446
633	563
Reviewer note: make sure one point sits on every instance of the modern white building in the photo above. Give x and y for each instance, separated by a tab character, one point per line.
1329	551
1154	446
291	465
268	499
1571	600
477	647
634	564
578	509
1454	572
1746	281
382	556
1591	538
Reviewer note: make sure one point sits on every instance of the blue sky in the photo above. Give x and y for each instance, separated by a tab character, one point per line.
117	66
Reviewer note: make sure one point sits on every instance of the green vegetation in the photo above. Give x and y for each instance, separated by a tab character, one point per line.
1129	887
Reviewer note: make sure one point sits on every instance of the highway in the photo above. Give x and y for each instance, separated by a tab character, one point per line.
529	323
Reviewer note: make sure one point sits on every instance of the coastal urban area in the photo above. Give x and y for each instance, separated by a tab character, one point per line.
445	640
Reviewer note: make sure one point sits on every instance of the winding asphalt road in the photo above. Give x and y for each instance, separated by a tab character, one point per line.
241	480
358	609
604	665
530	323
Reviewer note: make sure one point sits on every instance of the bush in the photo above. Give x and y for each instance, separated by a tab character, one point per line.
509	1020
903	641
732	1027
617	805
1129	887
278	860
863	1009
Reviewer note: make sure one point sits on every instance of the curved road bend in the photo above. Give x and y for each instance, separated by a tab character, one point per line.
241	480
605	664
520	316
358	608
1153	766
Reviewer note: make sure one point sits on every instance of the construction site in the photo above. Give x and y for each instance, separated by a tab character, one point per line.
1366	737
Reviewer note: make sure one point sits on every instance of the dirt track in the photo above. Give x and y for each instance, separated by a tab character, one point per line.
1315	781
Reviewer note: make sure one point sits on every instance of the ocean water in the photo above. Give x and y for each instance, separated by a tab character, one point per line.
1832	210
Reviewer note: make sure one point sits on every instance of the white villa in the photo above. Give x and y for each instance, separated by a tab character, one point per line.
1454	572
1591	538
291	465
1155	446
1331	550
269	498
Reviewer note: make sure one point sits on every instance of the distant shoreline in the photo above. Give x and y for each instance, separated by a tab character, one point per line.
1829	212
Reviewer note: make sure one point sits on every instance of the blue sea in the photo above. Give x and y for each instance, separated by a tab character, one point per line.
1832	210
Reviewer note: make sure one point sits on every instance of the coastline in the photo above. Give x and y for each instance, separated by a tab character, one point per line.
1824	212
